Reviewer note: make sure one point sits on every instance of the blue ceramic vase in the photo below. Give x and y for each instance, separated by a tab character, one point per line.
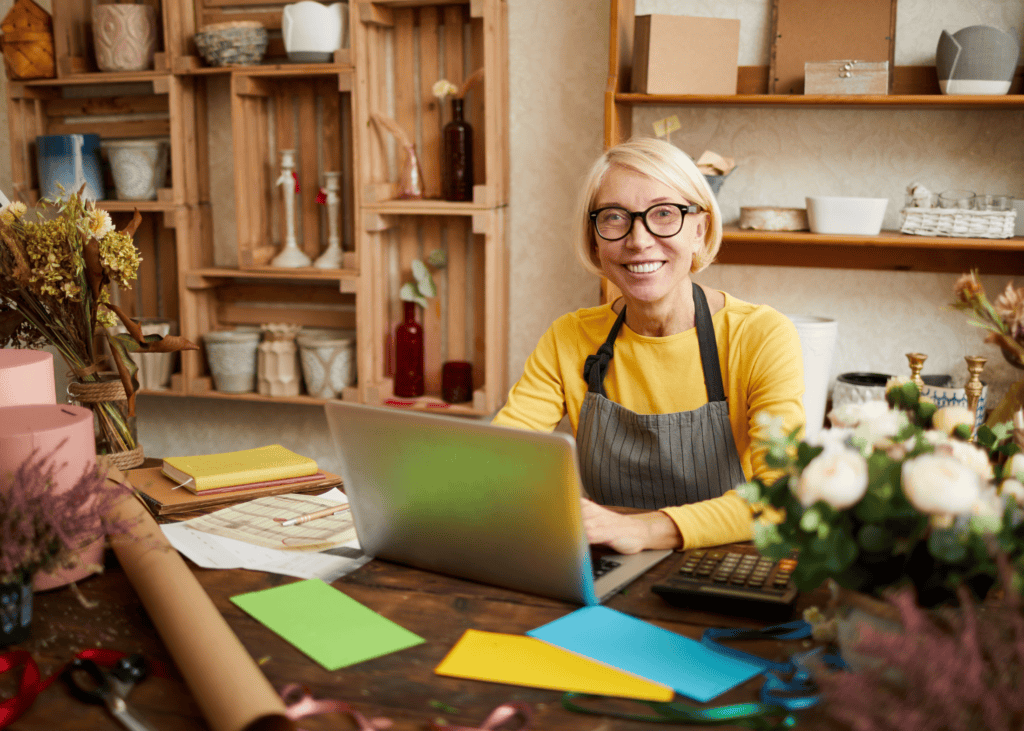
71	161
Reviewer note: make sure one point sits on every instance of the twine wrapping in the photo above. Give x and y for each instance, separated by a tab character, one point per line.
95	393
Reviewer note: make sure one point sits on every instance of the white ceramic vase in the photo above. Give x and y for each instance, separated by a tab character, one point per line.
139	168
312	32
232	358
124	36
328	362
817	342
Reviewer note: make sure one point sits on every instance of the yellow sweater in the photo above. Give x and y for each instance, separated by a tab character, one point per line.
762	370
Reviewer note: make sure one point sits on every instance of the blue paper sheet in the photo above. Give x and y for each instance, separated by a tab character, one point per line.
643	649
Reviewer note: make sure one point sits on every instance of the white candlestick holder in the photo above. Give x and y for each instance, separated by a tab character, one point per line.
331	256
291	255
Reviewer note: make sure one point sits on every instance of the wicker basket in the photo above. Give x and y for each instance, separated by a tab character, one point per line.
959	222
236	43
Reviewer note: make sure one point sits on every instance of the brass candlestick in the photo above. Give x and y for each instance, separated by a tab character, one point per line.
973	387
916	361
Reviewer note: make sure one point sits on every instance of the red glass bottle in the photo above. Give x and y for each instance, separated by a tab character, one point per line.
457	157
409	354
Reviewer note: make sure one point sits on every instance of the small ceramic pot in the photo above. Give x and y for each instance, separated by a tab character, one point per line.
124	36
69	161
948	396
139	168
232	358
328	361
312	32
978	59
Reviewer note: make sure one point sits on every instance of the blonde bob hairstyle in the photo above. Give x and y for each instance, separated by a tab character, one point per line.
663	162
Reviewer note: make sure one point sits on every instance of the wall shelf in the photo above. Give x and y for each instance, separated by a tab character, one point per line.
913	87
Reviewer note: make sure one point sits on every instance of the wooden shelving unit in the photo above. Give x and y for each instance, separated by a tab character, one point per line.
397	50
914	87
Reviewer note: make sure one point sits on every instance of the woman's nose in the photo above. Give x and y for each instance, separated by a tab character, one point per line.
639	237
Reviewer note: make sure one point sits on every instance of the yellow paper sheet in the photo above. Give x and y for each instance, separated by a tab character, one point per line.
520	660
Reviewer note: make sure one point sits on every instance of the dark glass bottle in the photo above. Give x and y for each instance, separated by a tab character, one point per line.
457	157
409	354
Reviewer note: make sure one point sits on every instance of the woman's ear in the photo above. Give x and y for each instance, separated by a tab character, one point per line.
702	224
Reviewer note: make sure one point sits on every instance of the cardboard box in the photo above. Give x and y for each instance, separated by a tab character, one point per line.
679	54
846	77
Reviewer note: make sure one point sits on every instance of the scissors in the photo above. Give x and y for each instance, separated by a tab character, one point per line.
93	684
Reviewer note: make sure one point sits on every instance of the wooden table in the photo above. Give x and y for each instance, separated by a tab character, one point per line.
401	686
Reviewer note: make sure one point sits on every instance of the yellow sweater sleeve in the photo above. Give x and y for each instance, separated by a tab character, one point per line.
725	519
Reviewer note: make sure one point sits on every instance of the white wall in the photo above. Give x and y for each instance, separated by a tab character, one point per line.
558	66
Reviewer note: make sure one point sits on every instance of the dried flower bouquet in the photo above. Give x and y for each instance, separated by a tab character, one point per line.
56	271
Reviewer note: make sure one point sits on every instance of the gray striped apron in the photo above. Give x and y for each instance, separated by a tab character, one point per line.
655	460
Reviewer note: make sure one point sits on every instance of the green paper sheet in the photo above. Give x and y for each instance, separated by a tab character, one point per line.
330	627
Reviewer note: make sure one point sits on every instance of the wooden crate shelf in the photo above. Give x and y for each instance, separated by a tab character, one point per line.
73	36
467	320
305	114
401	51
394	53
115	110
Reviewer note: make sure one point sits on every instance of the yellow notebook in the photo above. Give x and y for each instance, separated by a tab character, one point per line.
228	469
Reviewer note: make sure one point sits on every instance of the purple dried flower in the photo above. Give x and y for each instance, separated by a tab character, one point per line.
41	527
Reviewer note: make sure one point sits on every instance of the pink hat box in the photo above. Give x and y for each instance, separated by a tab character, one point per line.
65	433
26	377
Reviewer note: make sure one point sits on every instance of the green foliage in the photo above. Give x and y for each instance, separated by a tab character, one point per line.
882	540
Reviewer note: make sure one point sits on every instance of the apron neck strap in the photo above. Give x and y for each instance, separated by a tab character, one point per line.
708	346
595	368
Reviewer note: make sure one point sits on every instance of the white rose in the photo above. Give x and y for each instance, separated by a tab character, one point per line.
949	418
830	438
970	455
839	476
879	430
940	484
1013	488
851	414
1015	467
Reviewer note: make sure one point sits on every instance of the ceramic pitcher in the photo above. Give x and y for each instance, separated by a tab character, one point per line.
978	59
312	32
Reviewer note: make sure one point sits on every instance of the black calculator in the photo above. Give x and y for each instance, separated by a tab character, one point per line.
732	580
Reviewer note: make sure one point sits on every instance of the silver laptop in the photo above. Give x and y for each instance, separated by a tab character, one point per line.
469	499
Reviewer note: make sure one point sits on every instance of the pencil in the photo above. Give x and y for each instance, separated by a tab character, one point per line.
313	516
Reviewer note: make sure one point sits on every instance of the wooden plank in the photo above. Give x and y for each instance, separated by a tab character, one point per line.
307	212
131	128
146	104
269	20
476	106
404	87
454	61
433	315
456	233
238	315
477	293
430	112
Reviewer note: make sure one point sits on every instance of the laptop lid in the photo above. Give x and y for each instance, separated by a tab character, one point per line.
470	499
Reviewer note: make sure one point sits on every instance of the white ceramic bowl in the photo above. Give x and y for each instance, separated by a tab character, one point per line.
845	215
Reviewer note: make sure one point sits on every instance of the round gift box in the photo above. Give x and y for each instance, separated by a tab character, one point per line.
26	377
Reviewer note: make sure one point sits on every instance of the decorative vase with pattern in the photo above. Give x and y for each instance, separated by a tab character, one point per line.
124	36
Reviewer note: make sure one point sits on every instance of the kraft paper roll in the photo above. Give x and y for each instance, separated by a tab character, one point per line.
231	691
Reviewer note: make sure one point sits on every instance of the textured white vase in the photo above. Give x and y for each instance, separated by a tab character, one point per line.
328	363
124	36
818	344
232	358
139	168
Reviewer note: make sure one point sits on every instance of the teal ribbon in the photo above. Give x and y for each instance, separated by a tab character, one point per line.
788	686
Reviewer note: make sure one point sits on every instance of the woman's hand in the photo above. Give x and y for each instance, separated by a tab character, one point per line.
628	533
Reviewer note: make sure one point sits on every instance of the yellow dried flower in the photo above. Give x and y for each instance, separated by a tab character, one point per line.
99	223
12	212
1010	306
444	88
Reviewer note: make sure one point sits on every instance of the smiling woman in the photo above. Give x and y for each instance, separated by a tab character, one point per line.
666	388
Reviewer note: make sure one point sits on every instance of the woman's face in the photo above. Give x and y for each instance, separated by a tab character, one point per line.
647	268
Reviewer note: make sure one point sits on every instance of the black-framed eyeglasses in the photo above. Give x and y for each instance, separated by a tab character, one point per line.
664	220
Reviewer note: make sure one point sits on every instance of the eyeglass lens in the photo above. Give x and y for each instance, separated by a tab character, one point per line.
661	220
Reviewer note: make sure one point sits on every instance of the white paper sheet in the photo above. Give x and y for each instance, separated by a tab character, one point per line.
218	552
